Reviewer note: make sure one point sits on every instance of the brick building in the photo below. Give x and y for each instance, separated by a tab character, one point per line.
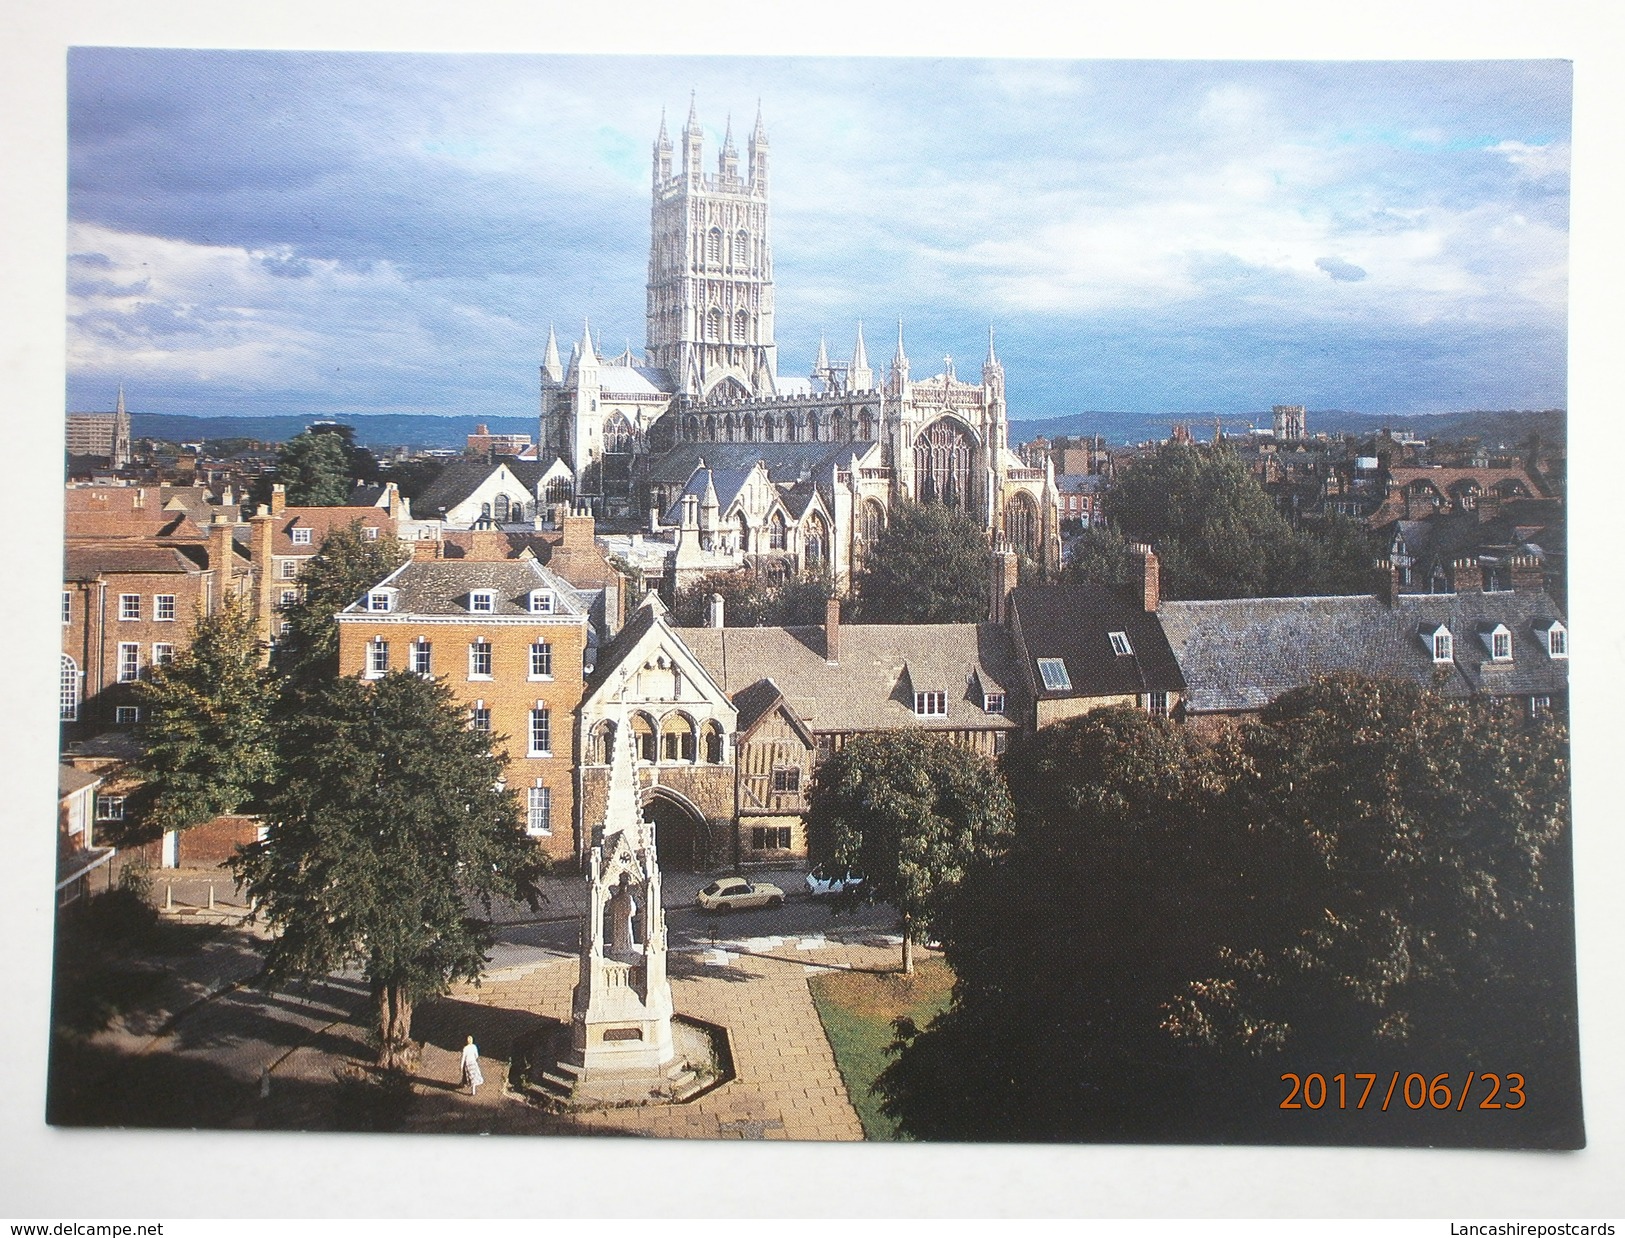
511	639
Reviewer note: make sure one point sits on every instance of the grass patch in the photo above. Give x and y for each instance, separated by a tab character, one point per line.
857	1010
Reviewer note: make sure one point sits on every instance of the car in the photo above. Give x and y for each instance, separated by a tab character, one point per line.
729	893
825	885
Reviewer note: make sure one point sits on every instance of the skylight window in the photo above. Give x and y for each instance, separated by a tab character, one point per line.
1053	671
1120	645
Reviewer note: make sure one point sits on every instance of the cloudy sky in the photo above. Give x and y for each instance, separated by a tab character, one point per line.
356	233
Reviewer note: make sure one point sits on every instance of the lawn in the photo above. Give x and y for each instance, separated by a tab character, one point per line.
857	1009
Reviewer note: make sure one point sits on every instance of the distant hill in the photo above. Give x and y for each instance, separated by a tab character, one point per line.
417	430
1509	427
387	430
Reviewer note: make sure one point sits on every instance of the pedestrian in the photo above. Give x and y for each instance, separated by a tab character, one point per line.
471	1067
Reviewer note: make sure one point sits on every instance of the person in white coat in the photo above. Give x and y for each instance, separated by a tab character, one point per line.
471	1067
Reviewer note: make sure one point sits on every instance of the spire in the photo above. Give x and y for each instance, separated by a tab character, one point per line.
692	140
588	357
899	358
120	409
728	157
693	114
662	152
860	354
821	365
662	142
992	357
758	152
859	376
758	135
728	136
550	359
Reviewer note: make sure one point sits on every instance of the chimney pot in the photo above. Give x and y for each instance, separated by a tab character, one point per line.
832	631
279	498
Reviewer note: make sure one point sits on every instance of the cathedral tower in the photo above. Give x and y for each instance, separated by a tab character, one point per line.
710	290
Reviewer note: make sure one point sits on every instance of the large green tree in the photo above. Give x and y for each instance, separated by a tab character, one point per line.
346	566
1218	534
929	565
209	742
314	470
389	828
1373	878
909	812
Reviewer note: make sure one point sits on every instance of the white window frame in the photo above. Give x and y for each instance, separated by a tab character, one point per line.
1157	704
420	656
381	601
290	597
370	532
540	713
126	715
1442	645
1120	644
163	607
993	702
377	658
290	569
930	703
67	606
1501	646
479	717
1053	674
1557	641
299	536
129	661
543	601
479	651
110	808
541	660
163	653
482	601
539	811
68	689
129	607
1540	706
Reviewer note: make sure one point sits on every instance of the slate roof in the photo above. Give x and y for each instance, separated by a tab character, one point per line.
456	482
881	667
786	462
728	484
70	779
530	471
632	380
1240	654
1074	623
442	586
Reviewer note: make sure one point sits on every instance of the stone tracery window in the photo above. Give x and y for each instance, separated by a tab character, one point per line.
618	435
1021	525
942	460
713	247
871	522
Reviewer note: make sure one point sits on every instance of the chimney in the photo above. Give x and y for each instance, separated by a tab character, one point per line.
481	429
832	632
1386	584
614	604
1006	571
220	551
426	549
578	532
392	497
279	498
487	545
259	546
714	616
1150	578
1526	573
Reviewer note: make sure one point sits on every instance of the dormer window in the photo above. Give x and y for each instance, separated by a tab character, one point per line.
541	601
381	601
1440	643
482	601
1497	639
299	537
371	532
1053	672
1120	645
930	704
993	703
1555	637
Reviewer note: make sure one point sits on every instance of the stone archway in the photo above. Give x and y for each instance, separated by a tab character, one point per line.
682	839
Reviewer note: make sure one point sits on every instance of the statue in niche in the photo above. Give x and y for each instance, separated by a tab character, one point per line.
623	909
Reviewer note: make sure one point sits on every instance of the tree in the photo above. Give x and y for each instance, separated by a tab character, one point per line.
909	812
1103	556
314	470
389	821
929	565
346	566
751	599
209	742
1219	535
1118	883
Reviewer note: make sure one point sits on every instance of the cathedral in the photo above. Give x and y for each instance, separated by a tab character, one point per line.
703	434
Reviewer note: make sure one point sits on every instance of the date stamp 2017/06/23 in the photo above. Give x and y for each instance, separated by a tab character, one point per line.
1414	1091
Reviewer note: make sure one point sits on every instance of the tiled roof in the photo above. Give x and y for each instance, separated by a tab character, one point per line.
69	779
88	561
1074	623
881	667
786	462
442	587
1240	654
727	483
321	521
456	482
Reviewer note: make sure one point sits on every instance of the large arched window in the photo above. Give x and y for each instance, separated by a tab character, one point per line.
942	458
677	738
618	435
778	533
866	425
70	689
501	509
713	326
1021	525
815	541
872	521
713	247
